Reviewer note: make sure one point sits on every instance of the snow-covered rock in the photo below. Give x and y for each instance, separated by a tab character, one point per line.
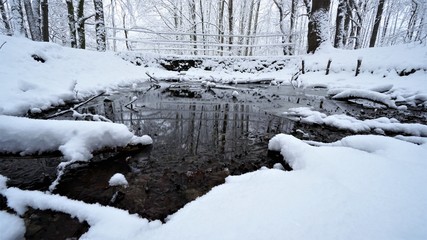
118	179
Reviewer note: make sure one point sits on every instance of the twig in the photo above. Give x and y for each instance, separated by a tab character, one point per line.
75	107
152	79
2	44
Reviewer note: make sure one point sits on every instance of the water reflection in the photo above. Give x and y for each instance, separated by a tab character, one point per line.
199	127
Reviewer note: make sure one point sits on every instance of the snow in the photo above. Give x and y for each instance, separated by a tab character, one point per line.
361	187
70	73
365	94
76	140
342	121
118	179
11	226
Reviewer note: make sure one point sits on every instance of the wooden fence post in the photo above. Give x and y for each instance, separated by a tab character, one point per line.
359	63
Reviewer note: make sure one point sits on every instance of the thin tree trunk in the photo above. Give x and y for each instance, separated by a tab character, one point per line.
221	25
193	23
386	22
71	23
45	20
202	18
5	18
100	26
254	32
113	23
80	25
242	26
279	6
248	33
128	47
412	21
230	24
290	48
377	23
347	25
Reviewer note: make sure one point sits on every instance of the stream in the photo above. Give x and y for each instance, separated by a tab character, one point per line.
200	136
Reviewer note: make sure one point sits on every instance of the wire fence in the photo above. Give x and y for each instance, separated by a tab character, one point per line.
145	40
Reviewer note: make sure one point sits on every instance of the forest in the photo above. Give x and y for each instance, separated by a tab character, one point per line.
219	27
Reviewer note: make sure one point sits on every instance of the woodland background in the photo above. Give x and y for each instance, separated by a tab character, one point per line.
217	27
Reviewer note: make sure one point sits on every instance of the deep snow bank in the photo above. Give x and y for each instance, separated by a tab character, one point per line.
66	74
362	187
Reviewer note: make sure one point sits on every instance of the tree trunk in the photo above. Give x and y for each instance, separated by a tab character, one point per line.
347	24
34	29
290	48
412	20
318	24
101	38
377	23
192	6
80	25
254	32
17	18
248	33
71	23
221	5
5	19
45	20
279	6
36	11
386	22
230	24
339	24
128	47
202	19
242	26
113	23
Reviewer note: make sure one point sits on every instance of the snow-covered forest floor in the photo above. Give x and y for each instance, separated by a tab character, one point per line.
361	187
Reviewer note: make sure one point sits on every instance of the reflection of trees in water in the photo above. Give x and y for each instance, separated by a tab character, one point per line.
196	128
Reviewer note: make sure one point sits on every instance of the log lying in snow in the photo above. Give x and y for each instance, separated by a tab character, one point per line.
364	94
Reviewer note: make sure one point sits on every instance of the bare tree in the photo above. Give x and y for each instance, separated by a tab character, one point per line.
5	18
230	24
32	21
340	24
100	25
17	18
254	32
221	5
192	7
377	23
318	24
45	20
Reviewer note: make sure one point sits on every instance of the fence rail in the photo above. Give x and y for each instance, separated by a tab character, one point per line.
141	39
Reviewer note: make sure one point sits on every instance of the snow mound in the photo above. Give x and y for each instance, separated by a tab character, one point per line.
76	140
374	96
11	227
343	121
118	179
361	187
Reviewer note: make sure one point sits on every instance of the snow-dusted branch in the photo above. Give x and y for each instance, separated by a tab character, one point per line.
75	107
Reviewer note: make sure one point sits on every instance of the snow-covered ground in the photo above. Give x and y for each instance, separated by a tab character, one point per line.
362	187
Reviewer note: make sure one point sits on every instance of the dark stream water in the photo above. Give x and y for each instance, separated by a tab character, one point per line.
200	137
